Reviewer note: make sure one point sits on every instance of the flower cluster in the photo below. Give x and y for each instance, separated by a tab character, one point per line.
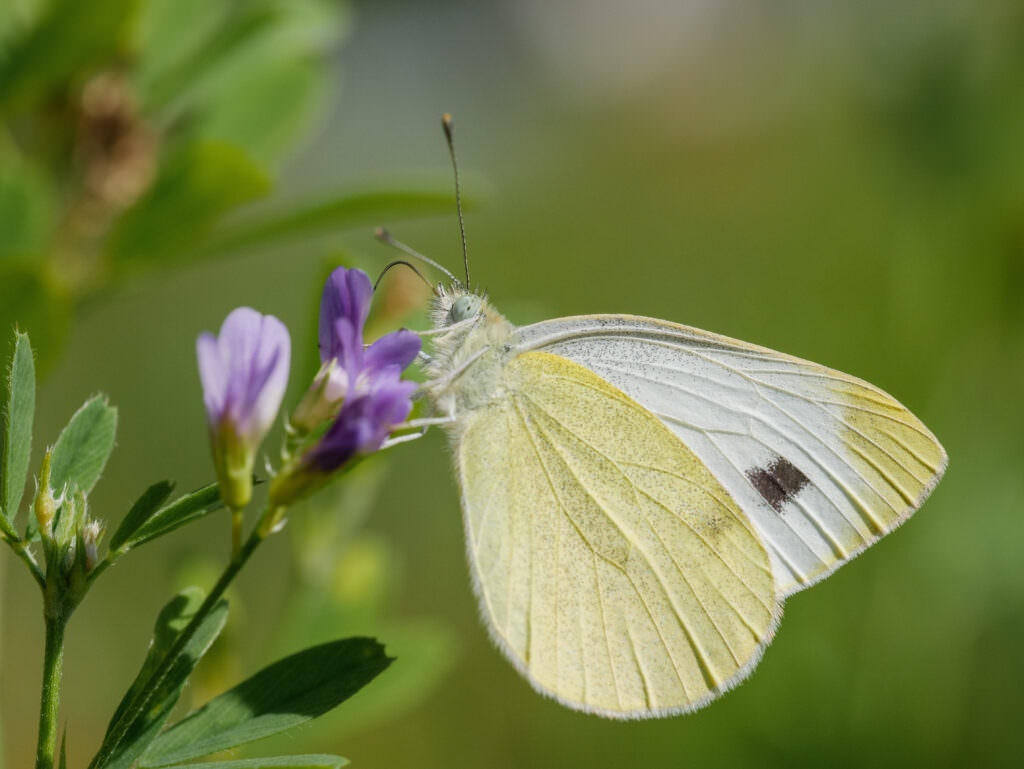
365	384
360	388
244	372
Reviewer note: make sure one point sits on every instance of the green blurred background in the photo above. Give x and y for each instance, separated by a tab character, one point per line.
843	182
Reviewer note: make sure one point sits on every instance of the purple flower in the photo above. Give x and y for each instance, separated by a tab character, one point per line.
361	388
244	372
348	371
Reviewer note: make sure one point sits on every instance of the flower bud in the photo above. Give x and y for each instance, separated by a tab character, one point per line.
244	372
91	534
45	505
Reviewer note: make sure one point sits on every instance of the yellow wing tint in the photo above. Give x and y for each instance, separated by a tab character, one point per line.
896	455
823	464
612	567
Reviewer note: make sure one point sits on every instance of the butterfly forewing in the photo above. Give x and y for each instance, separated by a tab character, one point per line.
613	567
821	463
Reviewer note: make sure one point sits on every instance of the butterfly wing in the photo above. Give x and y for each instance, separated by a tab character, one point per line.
611	566
822	463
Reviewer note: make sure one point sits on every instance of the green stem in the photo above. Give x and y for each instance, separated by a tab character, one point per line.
10	536
236	532
53	667
18	546
141	701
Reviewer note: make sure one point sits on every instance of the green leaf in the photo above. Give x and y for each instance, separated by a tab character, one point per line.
362	208
21	406
214	40
271	109
29	300
144	507
183	510
26	205
64	749
84	446
197	185
174	617
279	762
173	33
69	38
289	692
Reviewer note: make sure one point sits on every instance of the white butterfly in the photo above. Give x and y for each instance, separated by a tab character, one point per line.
640	497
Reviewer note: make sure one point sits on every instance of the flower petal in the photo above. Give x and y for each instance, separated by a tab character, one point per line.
236	344
212	376
348	340
244	371
399	348
269	377
346	295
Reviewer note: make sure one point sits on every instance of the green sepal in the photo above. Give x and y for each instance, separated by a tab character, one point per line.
69	519
285	694
144	507
173	618
84	446
18	416
319	761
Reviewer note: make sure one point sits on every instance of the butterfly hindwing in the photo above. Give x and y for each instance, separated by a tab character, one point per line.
822	463
612	567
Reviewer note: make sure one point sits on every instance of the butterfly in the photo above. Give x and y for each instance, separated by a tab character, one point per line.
640	497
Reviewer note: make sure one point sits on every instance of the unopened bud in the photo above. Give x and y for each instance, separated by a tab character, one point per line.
92	532
45	503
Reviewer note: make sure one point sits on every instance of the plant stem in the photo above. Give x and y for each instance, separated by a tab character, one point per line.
10	536
18	546
53	667
141	701
236	533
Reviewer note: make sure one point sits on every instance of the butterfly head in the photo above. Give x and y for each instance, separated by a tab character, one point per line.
456	305
465	307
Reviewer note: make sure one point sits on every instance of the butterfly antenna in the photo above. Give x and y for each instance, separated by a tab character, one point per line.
385	237
446	123
412	267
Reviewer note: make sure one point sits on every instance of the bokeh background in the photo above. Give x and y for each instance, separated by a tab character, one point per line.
844	182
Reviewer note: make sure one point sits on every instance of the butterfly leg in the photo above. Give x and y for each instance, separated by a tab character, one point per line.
402	439
444	384
451	327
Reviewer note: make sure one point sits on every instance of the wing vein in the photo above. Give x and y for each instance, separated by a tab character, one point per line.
606	559
699	652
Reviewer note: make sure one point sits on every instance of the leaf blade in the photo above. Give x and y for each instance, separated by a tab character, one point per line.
143	509
173	618
185	509
82	450
284	694
21	406
317	761
342	211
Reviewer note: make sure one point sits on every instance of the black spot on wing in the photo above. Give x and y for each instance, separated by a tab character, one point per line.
779	482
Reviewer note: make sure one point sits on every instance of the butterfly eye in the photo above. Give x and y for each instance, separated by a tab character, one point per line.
464	307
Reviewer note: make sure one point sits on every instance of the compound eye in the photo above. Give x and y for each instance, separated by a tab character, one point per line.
464	307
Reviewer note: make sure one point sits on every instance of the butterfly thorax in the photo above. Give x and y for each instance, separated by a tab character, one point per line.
469	353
